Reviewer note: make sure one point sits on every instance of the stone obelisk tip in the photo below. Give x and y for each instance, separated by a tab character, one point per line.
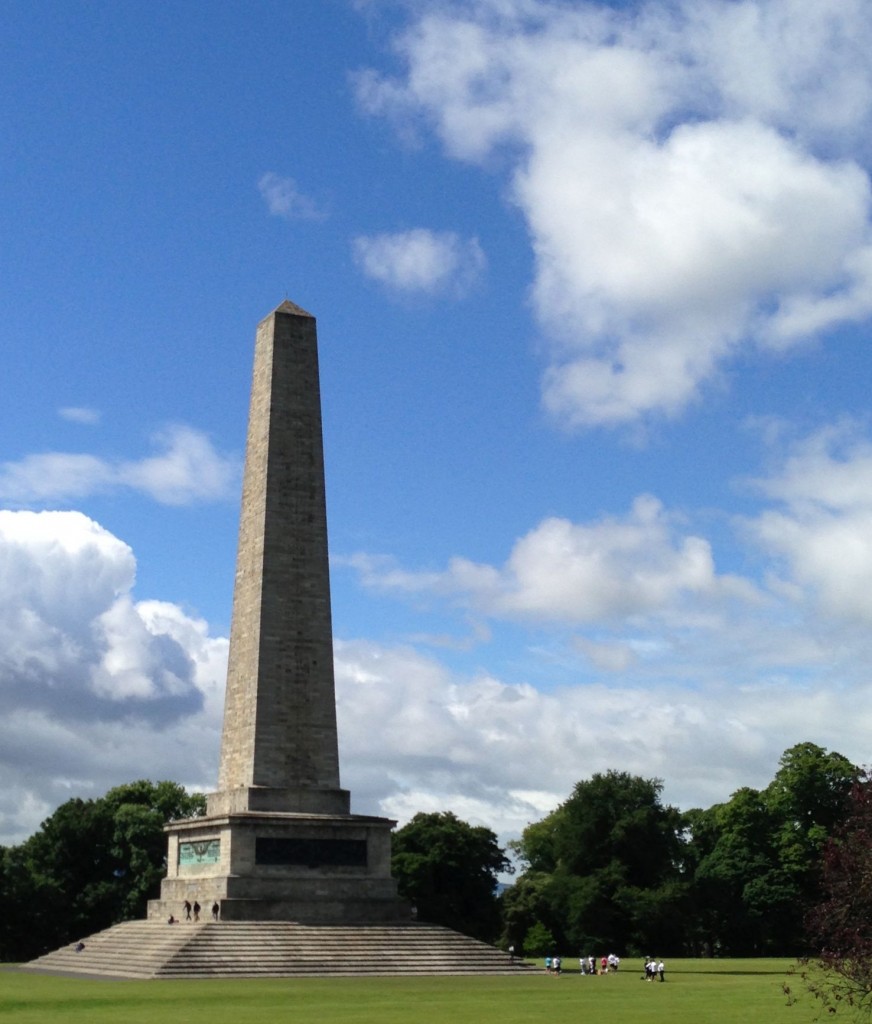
292	308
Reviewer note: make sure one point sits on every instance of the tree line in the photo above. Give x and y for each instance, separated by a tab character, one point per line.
612	869
91	864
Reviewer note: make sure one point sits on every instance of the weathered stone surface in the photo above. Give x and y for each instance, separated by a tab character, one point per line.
280	707
263	949
278	841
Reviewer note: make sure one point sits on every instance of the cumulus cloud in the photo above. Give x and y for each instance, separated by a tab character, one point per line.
579	573
186	469
503	754
420	260
95	687
693	175
98	688
653	654
820	531
284	199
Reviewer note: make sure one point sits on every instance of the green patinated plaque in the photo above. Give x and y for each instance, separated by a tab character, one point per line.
208	851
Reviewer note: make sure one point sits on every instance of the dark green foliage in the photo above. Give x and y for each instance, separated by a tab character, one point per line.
614	869
448	870
605	868
808	798
737	835
531	909
757	857
91	864
539	941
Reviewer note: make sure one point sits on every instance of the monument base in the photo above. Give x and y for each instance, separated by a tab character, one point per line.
258	866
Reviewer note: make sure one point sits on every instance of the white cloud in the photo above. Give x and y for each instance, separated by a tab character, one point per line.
581	573
504	754
608	657
420	260
283	198
187	469
799	66
821	530
654	655
95	688
54	475
693	176
79	414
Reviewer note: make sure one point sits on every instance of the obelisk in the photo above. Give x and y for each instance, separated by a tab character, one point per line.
278	841
279	750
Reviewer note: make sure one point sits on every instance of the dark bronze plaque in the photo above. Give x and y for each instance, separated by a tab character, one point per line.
313	853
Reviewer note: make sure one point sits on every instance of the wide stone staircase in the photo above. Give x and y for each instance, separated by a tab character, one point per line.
266	949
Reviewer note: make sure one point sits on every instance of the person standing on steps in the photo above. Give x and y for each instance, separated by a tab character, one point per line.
186	906
215	911
196	911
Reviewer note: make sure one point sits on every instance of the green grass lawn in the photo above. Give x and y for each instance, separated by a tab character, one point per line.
695	992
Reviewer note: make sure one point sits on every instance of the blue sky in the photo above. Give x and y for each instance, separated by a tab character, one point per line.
593	287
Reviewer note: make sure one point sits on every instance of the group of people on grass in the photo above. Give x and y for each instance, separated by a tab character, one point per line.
654	969
607	964
586	964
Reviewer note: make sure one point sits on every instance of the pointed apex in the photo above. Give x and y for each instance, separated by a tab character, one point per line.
293	310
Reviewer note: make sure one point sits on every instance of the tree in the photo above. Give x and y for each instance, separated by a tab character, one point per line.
529	919
448	869
539	941
808	799
608	864
756	858
739	854
139	811
91	864
615	817
840	927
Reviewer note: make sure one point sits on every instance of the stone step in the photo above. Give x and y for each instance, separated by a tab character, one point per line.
151	949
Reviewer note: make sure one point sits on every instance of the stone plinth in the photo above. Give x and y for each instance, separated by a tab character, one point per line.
282	867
